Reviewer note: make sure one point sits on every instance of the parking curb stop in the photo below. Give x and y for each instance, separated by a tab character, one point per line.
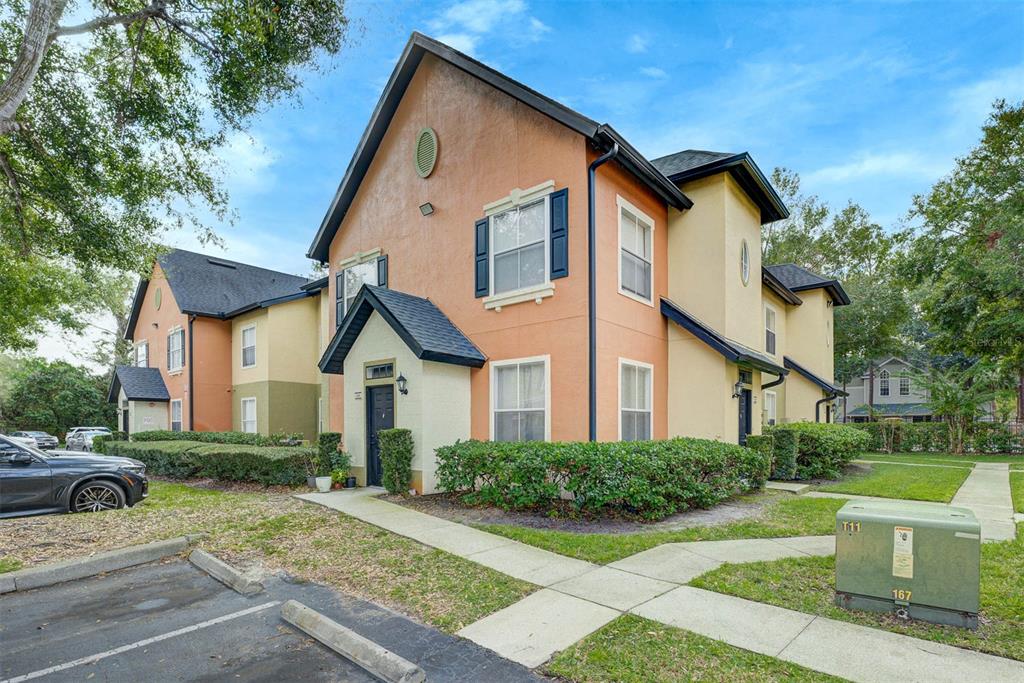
225	573
372	657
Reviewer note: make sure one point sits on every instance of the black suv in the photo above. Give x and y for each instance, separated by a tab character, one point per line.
33	482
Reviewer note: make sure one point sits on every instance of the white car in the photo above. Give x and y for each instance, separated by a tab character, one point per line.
80	438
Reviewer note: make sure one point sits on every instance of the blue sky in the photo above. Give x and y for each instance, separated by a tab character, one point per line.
867	101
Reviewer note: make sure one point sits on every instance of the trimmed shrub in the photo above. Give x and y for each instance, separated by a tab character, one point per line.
231	462
396	451
913	437
99	440
327	450
648	479
822	448
785	450
236	438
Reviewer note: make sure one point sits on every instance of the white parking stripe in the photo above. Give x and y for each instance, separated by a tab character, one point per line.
141	643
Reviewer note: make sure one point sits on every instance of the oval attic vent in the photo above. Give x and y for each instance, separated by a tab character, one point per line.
426	152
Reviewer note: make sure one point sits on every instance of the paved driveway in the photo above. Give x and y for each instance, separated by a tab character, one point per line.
171	622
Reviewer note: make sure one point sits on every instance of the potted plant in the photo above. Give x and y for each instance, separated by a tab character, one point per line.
314	469
323	484
337	479
341	464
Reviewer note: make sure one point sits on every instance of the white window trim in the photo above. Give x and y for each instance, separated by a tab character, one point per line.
650	397
241	415
774	330
775	405
546	359
251	326
358	259
904	381
175	330
181	411
620	204
541	290
141	345
745	251
883	380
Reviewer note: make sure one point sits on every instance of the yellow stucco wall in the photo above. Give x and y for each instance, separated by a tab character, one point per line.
294	341
801	395
261	371
809	327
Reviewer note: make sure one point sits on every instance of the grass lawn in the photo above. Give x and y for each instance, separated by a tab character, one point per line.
787	516
635	650
938	484
281	533
807	584
1017	490
967	459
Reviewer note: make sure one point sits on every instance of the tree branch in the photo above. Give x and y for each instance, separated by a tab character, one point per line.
157	9
16	195
42	14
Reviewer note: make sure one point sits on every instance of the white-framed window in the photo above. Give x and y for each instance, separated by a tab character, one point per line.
883	383
176	349
176	415
142	354
519	246
249	415
770	316
249	346
636	252
636	400
744	263
520	399
770	407
904	386
350	280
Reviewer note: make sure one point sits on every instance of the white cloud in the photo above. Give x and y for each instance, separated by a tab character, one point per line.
463	42
728	43
537	29
246	161
877	165
971	104
636	44
464	24
653	72
478	16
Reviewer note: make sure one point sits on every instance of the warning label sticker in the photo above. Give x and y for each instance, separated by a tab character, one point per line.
903	552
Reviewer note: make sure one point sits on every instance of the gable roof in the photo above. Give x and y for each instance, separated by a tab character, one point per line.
797	278
890	409
773	283
418	46
827	387
422	326
213	287
731	350
139	384
692	164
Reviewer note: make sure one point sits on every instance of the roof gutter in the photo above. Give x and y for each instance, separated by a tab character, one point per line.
592	284
191	370
780	380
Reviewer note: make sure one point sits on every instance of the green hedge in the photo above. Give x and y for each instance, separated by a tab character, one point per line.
328	454
234	438
396	451
266	465
822	449
649	479
99	440
911	437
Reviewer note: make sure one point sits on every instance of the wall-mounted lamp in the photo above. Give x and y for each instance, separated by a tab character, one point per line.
155	325
737	390
426	209
402	382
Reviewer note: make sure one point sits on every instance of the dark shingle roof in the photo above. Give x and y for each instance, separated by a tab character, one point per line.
139	384
422	326
688	159
731	350
825	385
891	409
797	278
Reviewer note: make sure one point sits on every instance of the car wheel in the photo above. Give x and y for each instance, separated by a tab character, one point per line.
95	496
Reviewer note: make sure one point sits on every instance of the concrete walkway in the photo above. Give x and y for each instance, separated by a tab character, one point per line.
577	598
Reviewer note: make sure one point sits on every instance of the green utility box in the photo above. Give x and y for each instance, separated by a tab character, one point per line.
919	560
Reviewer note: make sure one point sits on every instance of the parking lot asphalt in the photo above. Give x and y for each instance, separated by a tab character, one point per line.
172	622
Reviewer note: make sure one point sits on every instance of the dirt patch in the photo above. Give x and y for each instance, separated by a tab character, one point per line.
449	506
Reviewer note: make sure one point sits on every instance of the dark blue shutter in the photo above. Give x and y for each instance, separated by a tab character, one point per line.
339	301
168	352
559	204
182	345
382	271
483	277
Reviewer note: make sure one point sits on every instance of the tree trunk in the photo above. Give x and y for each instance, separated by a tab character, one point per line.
42	15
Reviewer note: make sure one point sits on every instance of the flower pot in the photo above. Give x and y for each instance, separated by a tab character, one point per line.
350	483
311	482
323	484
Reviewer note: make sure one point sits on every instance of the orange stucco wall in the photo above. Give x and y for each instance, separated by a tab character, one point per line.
490	144
211	355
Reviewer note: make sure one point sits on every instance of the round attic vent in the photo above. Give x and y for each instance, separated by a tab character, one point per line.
426	152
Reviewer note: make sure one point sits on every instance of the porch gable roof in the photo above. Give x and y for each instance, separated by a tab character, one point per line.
826	386
139	384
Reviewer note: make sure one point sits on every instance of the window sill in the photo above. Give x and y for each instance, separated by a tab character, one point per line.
536	293
636	297
174	373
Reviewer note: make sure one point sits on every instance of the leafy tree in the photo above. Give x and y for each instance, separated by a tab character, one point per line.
109	130
56	396
112	349
959	395
794	239
966	255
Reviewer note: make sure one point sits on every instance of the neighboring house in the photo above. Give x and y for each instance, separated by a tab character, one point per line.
468	301
221	345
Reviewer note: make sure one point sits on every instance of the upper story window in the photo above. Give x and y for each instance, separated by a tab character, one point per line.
744	263
249	346
519	400
636	252
904	386
635	399
883	383
176	350
369	268
519	247
142	355
769	329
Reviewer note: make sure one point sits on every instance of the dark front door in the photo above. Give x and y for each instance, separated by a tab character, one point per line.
124	420
380	414
744	416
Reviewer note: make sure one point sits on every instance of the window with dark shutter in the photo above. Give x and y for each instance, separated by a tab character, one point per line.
382	271
483	284
559	206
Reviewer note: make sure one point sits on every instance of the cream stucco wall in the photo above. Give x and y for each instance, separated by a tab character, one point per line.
436	409
261	371
144	416
809	327
293	332
801	395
